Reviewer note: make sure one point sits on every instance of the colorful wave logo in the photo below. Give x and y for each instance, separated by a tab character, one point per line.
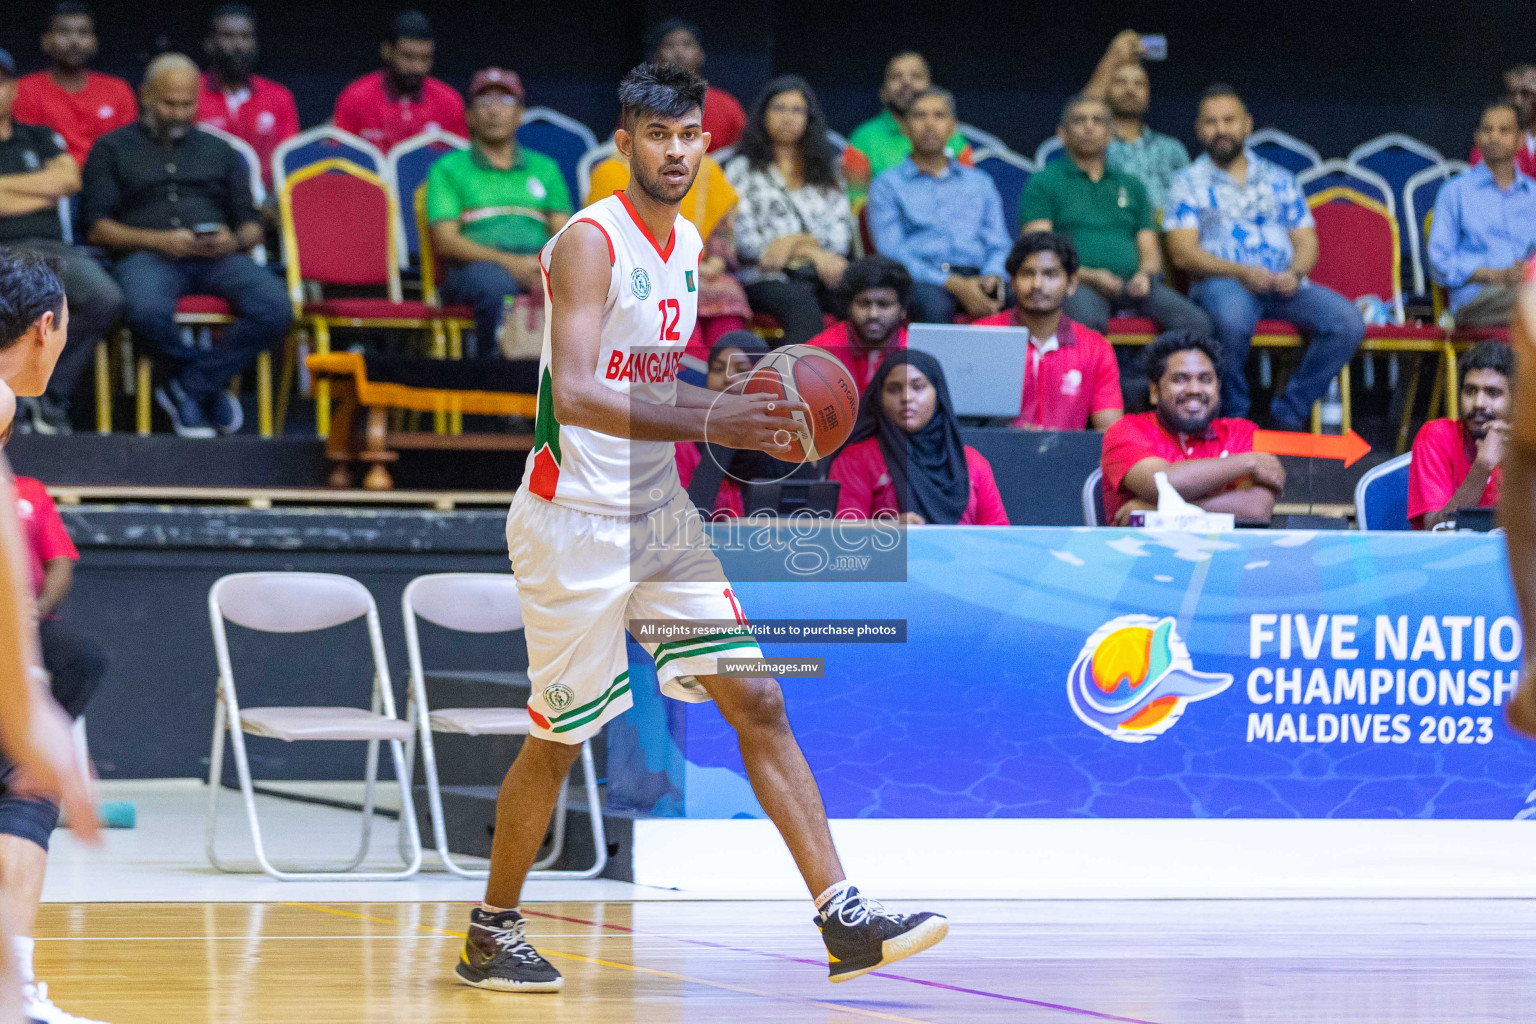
1134	678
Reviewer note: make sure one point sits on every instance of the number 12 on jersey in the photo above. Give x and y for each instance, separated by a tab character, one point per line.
670	307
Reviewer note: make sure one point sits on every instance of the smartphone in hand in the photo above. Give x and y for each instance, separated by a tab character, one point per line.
1154	47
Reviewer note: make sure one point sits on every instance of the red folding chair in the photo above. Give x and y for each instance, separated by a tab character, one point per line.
338	229
1358	255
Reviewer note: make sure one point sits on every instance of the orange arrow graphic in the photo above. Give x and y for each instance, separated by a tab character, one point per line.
1350	447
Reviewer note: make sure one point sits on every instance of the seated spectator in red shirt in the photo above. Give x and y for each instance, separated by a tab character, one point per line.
390	105
1209	461
235	100
1071	379
678	41
1456	462
905	459
717	485
79	104
877	289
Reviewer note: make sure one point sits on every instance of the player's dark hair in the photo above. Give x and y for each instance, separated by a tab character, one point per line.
231	10
70	9
1032	242
1488	355
662	89
29	287
409	24
657	34
1170	343
817	156
876	272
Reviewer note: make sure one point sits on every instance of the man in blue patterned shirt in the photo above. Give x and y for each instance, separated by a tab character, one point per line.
1240	226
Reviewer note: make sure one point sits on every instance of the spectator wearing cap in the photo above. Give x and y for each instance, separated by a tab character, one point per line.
174	205
80	104
679	42
1071	380
35	173
399	100
877	289
234	98
492	207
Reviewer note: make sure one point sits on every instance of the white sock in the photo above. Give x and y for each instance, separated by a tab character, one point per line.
22	946
835	894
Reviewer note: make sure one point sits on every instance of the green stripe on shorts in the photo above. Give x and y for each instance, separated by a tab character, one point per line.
603	702
603	699
695	651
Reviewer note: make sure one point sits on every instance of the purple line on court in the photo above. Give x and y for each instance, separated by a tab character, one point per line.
1097	1015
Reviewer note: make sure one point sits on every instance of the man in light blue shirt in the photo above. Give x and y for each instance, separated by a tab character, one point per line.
941	220
1484	229
1240	226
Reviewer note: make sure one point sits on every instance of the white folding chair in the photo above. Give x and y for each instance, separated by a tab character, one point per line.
302	602
474	602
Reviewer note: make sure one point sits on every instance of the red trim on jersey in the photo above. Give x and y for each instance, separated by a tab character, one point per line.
612	256
666	253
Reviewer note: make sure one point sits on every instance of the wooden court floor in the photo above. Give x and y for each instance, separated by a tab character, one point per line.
1297	962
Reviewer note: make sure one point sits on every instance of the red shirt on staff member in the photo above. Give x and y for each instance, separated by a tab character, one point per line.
905	458
1071	379
80	104
877	288
42	529
390	105
1456	462
263	114
1209	461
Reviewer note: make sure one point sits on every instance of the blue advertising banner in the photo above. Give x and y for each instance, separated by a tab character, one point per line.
1053	673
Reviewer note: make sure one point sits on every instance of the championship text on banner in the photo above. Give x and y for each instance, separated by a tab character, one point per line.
1118	673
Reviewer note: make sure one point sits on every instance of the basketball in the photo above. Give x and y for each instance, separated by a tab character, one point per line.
819	379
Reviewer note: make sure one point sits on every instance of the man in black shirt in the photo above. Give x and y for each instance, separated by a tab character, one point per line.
175	204
35	173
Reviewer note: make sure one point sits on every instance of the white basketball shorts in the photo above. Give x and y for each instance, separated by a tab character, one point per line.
583	577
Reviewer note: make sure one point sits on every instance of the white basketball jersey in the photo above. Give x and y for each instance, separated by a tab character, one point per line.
648	317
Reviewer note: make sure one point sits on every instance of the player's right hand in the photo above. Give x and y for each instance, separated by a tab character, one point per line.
755	421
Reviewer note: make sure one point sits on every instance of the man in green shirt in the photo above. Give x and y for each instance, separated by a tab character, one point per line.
1106	214
492	207
879	144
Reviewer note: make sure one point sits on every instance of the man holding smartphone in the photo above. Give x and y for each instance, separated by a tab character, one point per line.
1121	81
174	205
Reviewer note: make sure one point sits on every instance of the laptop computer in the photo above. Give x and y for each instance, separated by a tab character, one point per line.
983	365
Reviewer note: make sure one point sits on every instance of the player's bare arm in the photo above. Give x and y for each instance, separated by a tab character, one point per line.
578	282
1517	502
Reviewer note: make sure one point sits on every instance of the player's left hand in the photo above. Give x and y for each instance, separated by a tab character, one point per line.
755	421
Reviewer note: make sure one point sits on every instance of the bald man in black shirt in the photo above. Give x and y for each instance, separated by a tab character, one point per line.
174	203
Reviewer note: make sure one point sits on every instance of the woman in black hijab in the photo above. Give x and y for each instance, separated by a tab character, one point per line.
905	457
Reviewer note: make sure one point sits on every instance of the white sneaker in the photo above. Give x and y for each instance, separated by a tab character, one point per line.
36	1006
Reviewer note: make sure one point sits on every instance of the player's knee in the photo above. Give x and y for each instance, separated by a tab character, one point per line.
753	704
29	818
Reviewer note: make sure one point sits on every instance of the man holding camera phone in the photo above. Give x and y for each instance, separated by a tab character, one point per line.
174	205
941	220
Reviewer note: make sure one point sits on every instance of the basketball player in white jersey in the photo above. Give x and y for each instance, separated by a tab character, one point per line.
40	766
599	535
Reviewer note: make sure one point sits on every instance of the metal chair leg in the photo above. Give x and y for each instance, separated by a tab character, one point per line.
143	396
322	385
103	387
264	393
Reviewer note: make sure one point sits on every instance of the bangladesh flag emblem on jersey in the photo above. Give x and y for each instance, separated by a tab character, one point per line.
688	275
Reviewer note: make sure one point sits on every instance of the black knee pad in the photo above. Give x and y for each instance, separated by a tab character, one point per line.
28	817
